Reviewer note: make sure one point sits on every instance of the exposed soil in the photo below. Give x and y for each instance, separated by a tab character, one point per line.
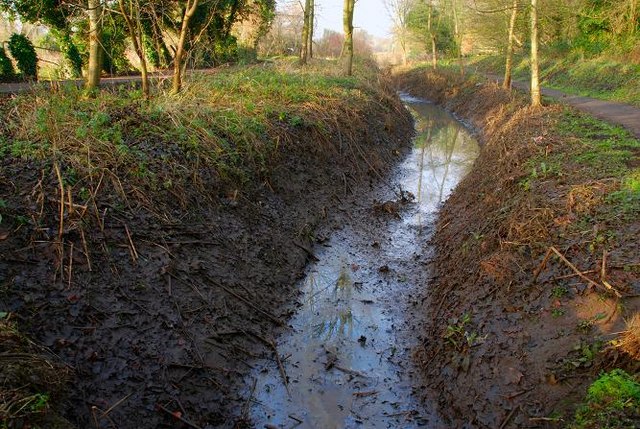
145	302
512	341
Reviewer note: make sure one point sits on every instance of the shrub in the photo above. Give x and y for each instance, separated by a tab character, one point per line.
6	67
613	401
25	55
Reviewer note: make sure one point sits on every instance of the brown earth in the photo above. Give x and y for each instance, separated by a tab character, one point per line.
502	346
156	302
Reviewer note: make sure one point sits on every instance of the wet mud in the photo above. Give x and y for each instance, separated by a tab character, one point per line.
157	304
345	360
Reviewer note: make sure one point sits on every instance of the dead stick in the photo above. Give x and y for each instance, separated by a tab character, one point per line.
542	265
581	275
506	420
283	373
70	273
603	276
61	187
568	276
114	406
292	417
134	252
249	303
86	248
93	414
182	419
245	411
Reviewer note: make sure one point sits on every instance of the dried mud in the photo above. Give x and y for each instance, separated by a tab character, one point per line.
159	316
502	347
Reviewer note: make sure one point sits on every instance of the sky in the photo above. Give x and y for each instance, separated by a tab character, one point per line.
369	15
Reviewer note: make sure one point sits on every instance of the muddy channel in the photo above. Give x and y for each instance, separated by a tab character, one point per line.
346	359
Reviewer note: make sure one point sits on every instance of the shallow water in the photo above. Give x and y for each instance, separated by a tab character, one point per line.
347	357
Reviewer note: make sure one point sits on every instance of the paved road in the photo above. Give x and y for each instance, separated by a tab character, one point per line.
618	113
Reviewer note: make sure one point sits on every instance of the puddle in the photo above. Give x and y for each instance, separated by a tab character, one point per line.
346	357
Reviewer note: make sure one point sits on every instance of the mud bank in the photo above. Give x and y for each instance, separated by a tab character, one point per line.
155	301
514	337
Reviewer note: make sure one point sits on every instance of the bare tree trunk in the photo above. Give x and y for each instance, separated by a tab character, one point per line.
347	48
536	100
506	83
95	31
458	36
304	49
135	32
312	17
177	59
403	46
432	35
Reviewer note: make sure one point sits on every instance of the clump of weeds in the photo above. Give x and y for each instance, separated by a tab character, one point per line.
612	401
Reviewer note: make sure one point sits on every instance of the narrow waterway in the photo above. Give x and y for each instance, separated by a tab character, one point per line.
347	357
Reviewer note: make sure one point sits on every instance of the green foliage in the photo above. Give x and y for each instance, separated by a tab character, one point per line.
48	12
459	336
71	54
25	55
613	401
441	27
628	197
114	42
6	67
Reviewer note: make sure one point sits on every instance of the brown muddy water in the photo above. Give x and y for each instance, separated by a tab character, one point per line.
346	358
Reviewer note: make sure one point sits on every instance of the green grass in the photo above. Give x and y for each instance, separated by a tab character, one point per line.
601	78
602	152
613	401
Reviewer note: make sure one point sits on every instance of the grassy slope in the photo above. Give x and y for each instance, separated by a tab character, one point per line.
598	78
550	177
234	122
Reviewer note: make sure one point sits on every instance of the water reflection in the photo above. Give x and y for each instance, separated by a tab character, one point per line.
443	152
346	356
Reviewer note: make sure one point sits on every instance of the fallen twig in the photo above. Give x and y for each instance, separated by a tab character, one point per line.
307	251
577	272
506	420
283	373
114	406
177	417
134	252
292	417
537	272
269	316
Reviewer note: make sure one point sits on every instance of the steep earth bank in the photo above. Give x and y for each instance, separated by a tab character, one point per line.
515	334
153	284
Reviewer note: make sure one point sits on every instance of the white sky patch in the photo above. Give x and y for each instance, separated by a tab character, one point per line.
370	15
